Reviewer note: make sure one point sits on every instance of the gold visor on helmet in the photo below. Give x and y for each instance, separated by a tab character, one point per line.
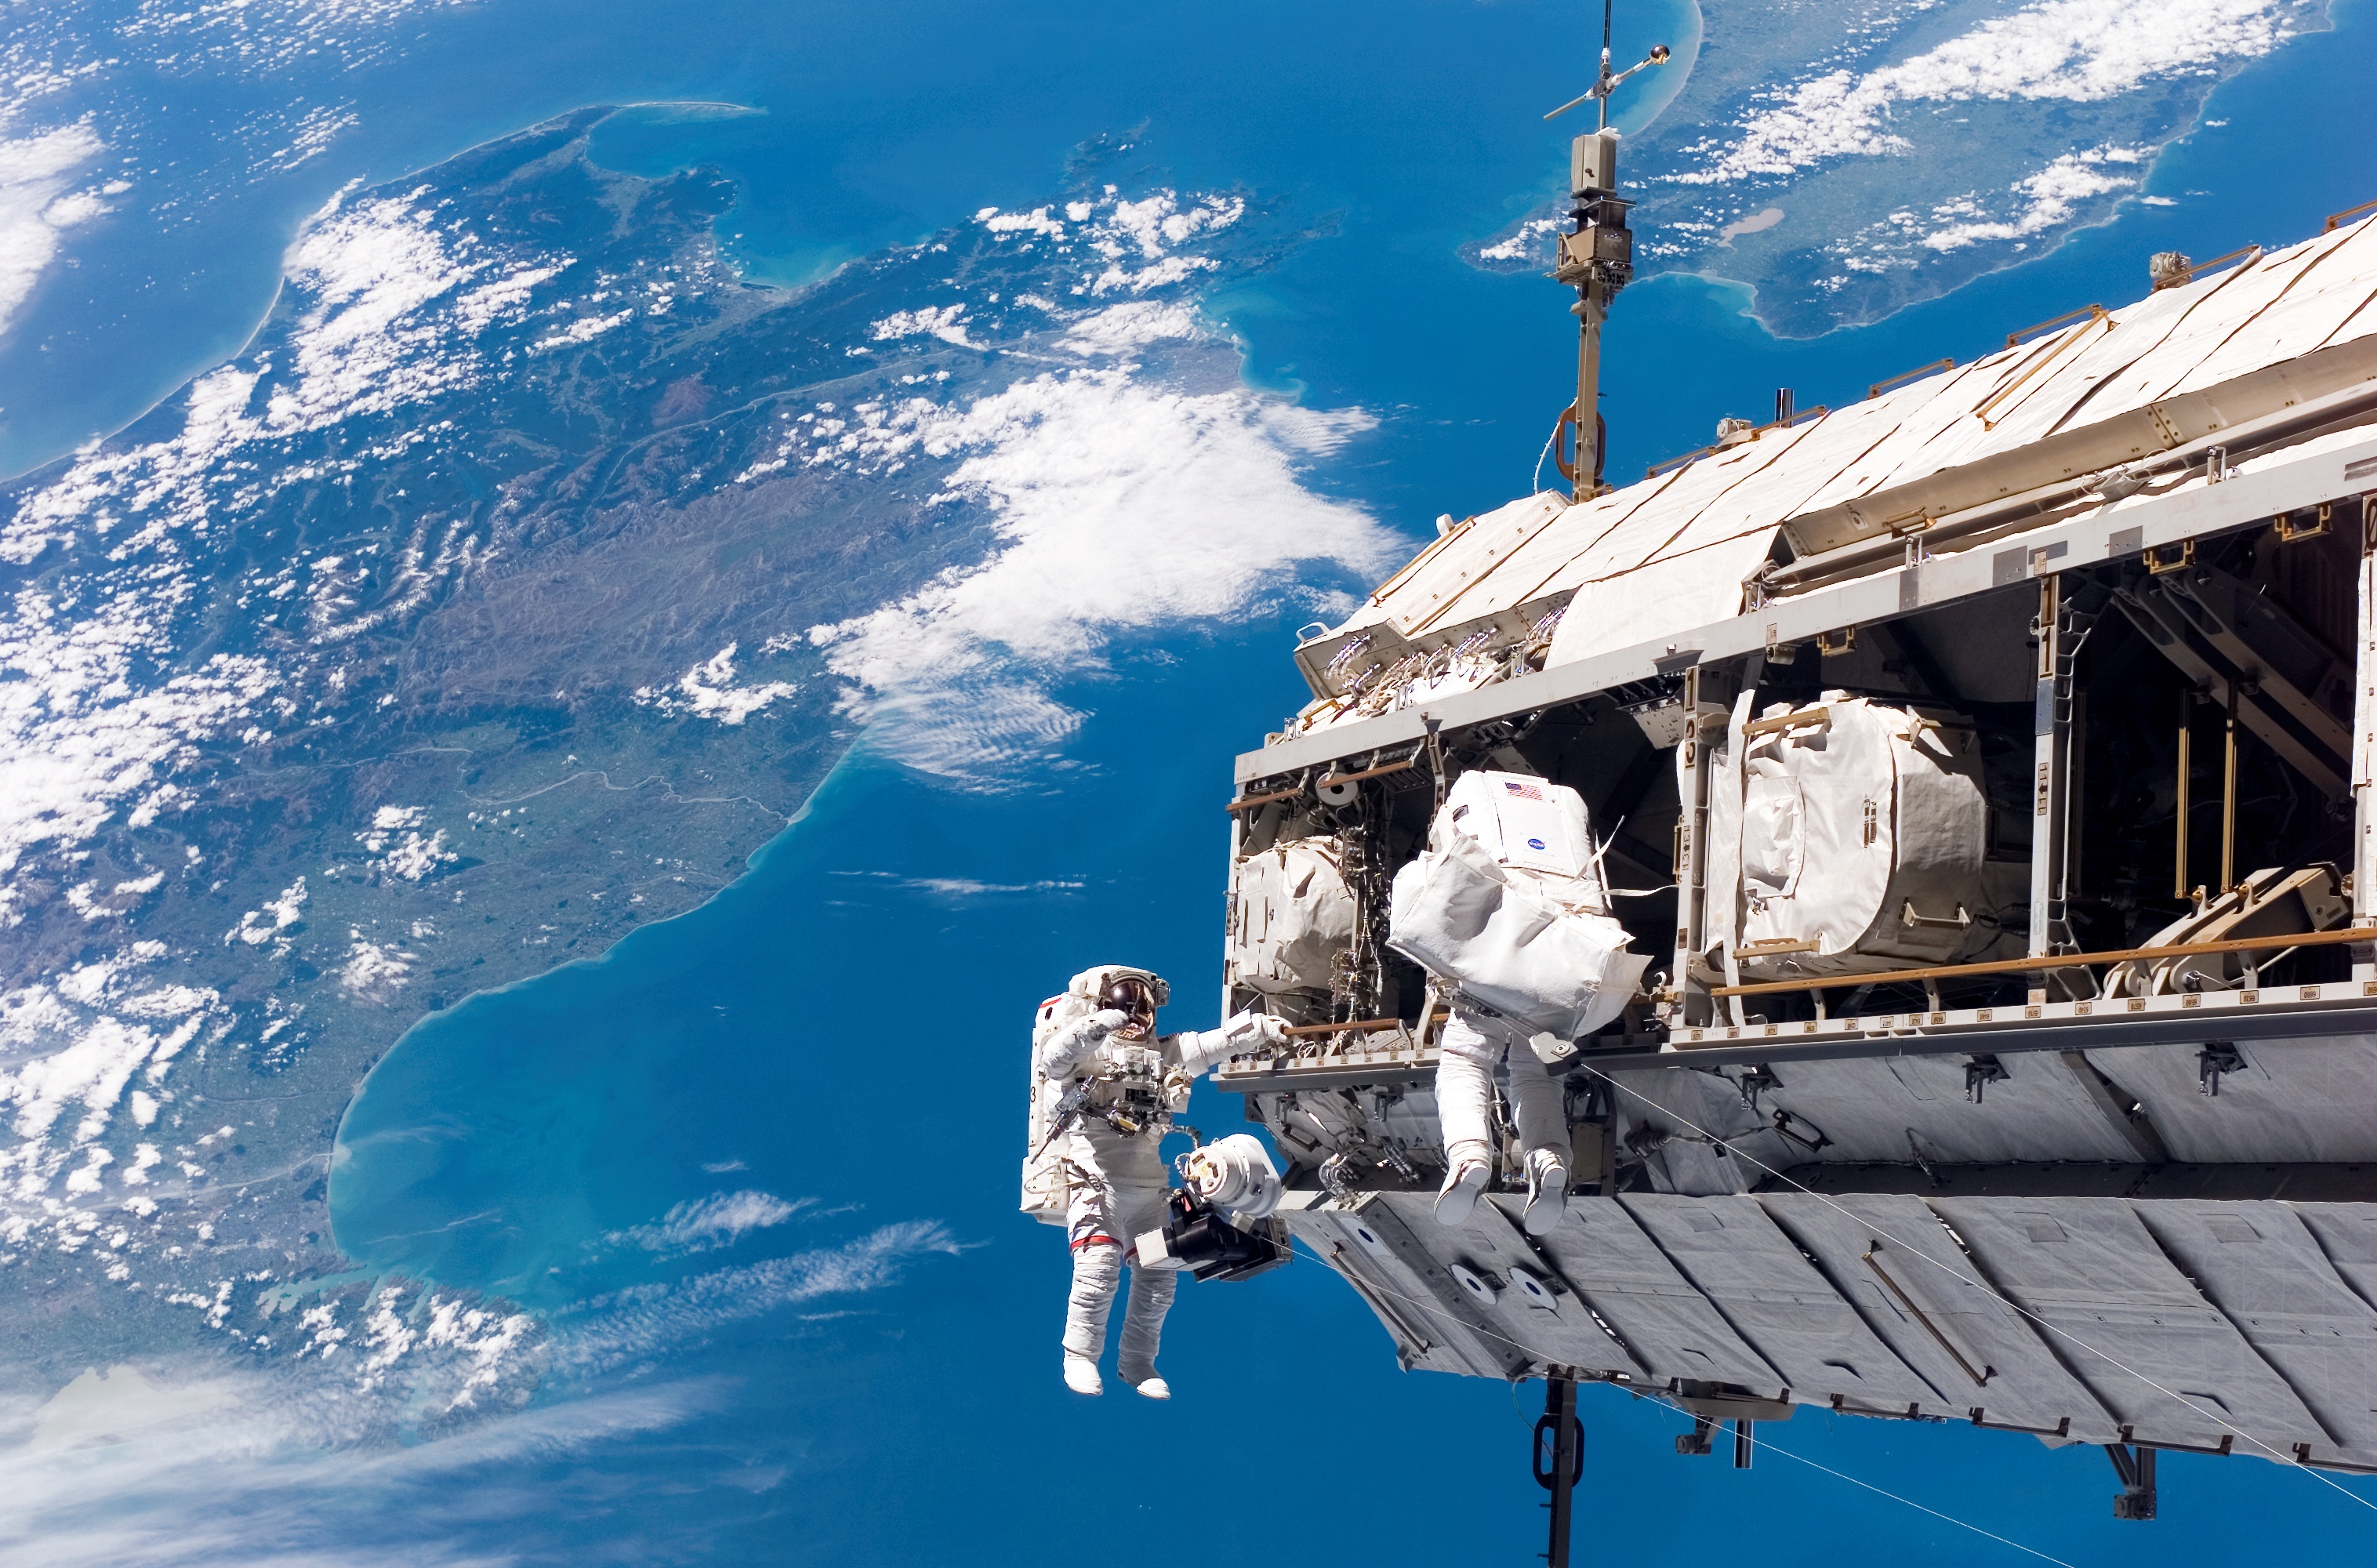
1132	996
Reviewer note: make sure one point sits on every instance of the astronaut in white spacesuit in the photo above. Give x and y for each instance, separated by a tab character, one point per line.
1120	1084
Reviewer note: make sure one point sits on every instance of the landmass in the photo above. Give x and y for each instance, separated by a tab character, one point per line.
1847	160
523	575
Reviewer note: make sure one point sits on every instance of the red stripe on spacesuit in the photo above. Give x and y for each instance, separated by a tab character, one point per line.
1095	1241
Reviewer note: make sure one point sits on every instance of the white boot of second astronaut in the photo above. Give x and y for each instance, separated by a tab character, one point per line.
1082	1374
1547	1191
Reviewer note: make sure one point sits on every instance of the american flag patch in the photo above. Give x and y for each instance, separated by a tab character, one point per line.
1524	791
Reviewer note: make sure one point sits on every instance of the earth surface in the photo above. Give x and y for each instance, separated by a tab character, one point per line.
595	601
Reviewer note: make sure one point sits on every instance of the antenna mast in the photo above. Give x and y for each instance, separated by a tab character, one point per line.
1597	258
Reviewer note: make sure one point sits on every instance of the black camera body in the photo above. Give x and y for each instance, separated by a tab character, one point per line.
1209	1247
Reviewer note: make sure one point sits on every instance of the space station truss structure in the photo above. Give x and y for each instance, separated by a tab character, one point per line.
1985	769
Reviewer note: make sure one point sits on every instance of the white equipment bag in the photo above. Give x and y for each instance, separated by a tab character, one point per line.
1846	837
1508	904
1290	916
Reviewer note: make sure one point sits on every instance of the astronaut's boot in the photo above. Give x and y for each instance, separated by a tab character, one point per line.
1154	1388
1547	1191
1082	1374
1462	1184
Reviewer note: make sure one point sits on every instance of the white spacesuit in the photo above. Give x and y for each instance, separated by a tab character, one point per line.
1465	1107
1120	1084
1507	908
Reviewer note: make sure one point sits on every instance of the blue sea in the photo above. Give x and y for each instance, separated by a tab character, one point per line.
751	1174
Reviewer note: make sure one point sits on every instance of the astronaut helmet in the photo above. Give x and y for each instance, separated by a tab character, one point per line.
1133	995
1134	992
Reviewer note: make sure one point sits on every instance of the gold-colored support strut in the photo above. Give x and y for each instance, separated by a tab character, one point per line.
2052	961
2228	800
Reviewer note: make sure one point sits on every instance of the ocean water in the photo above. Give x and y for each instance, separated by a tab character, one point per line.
751	1174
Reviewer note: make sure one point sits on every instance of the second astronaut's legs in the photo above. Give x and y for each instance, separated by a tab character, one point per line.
1464	1108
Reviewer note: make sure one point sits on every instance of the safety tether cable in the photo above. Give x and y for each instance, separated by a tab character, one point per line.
1538	482
1437	1310
1986	1289
1756	1441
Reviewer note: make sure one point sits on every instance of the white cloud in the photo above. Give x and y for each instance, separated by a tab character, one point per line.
91	1071
2071	51
1122	328
1121	509
387	324
375	971
637	1322
1036	221
707	690
259	926
408	857
946	322
2046	199
34	204
1525	242
719	1220
82	732
967	887
584	330
381	1445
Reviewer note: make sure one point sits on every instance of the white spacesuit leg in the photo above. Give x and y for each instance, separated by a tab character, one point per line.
1538	1108
1464	1110
1097	1270
1150	1295
1538	1104
1118	1192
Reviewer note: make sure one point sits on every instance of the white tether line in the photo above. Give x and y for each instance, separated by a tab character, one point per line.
1434	1310
1757	1441
1987	1290
1538	482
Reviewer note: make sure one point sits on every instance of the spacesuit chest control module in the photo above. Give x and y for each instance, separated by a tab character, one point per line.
1105	1088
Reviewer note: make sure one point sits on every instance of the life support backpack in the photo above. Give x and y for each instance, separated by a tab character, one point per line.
1047	1182
1507	905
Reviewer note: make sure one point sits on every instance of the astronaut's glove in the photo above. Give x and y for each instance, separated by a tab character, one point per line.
1242	1035
1066	1049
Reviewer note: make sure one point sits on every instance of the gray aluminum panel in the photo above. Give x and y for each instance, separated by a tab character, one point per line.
2041	1112
2347	1234
1777	1301
2024	1383
2260	1265
1492	1245
1669	1326
1439	1298
2088	1267
1432	1336
2301	1100
1687	1104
